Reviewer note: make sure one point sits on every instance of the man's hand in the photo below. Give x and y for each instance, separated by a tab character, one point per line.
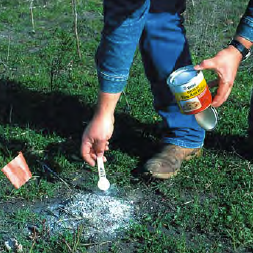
225	64
95	138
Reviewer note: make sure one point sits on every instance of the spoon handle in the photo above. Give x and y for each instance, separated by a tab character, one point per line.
101	168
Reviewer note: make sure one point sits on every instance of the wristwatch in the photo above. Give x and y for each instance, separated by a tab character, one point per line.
241	48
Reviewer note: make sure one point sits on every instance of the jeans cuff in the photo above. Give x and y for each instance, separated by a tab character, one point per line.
245	29
182	143
110	84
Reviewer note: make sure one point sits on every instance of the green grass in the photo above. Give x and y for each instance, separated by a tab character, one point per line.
47	97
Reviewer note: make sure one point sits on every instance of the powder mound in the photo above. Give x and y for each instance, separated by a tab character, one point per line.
99	215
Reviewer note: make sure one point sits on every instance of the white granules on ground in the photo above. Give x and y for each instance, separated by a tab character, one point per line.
99	215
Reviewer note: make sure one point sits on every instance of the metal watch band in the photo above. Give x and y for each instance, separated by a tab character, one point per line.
241	48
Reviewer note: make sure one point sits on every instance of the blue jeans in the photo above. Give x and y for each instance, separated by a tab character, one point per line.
245	27
157	27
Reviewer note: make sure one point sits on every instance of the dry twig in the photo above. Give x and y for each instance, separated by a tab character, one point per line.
75	28
31	11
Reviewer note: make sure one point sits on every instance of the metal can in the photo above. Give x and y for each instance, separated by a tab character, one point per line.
190	89
193	95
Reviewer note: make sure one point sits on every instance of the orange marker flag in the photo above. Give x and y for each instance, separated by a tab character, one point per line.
17	171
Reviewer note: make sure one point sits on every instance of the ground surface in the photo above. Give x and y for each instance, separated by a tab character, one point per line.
48	91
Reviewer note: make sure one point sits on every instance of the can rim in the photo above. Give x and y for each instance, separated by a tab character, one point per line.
178	71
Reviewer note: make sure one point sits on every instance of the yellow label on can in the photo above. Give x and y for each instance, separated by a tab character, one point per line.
192	92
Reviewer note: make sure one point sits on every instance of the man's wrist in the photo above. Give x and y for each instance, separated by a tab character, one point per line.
243	49
246	43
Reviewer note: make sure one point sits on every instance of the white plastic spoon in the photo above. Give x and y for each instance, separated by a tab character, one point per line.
103	183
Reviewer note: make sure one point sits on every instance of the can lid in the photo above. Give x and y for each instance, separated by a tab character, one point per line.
182	76
208	118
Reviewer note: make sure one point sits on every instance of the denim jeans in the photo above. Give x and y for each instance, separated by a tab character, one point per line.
245	27
157	27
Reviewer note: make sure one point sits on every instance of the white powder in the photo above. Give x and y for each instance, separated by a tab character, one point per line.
100	215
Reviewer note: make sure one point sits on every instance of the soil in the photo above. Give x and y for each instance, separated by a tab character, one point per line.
101	217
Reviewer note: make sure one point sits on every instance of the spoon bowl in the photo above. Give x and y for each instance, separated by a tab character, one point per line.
103	184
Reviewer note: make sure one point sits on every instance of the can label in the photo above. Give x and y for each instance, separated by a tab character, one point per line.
192	97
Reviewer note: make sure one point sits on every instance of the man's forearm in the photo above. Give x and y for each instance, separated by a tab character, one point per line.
247	43
107	103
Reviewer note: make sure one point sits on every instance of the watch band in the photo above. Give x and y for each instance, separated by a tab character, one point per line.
241	48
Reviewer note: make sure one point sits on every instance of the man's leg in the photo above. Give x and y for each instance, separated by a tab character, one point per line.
164	49
250	117
250	125
123	25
